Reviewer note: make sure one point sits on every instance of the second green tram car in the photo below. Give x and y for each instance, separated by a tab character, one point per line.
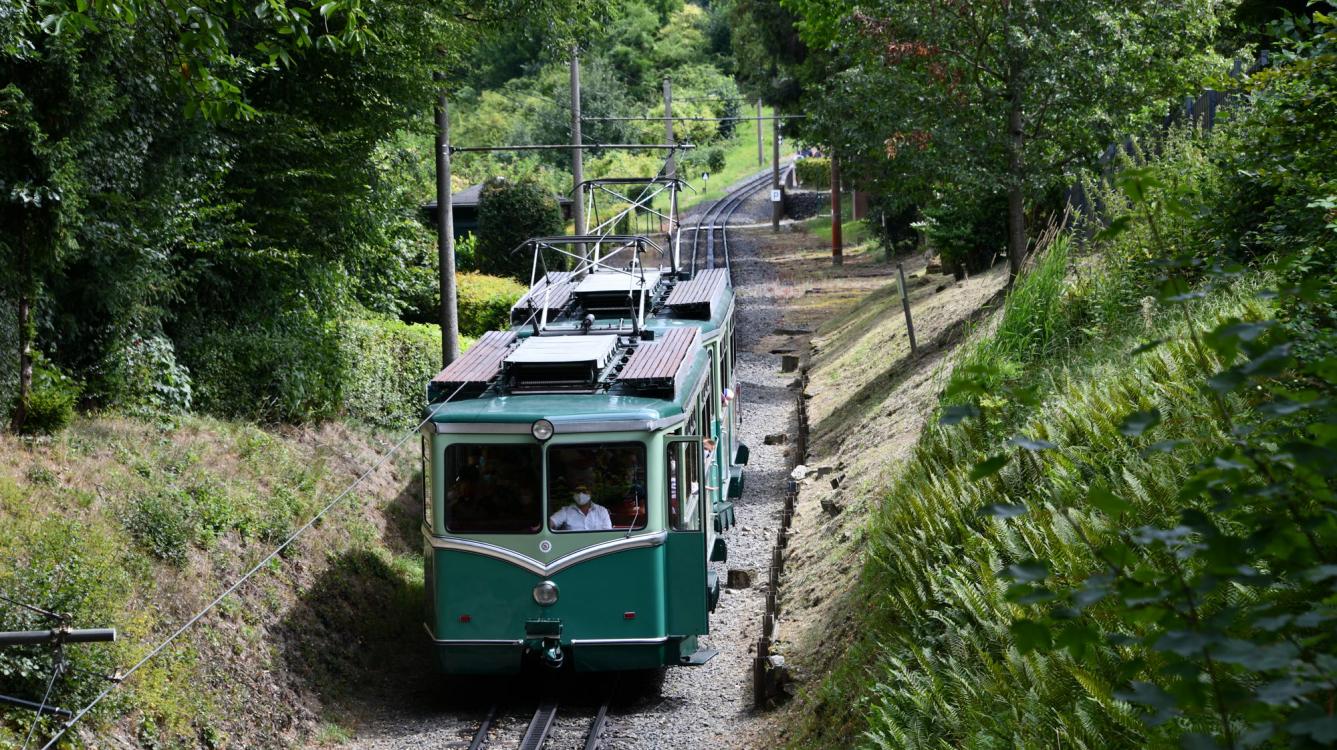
580	474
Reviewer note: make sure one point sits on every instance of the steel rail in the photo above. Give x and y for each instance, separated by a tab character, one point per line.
480	737
540	726
709	220
594	738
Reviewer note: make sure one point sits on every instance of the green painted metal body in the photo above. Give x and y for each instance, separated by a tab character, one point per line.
625	600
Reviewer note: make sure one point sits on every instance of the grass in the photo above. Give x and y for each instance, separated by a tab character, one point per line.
854	235
135	525
935	665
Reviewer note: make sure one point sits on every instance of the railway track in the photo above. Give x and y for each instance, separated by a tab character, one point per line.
716	219
546	732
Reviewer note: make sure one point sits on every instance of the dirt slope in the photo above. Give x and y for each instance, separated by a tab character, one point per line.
867	400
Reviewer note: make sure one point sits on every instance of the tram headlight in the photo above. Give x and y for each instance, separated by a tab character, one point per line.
545	594
542	429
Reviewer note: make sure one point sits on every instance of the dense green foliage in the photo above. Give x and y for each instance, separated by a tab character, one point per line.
813	173
485	302
165	184
923	100
1121	533
297	368
508	214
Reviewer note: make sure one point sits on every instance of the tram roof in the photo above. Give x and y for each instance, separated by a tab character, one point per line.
604	409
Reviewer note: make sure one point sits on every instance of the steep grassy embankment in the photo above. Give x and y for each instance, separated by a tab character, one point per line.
136	525
932	662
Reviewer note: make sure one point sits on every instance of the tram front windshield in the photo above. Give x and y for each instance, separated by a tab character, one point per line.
597	487
493	489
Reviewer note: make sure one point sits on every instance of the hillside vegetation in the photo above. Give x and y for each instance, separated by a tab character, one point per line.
1120	531
134	525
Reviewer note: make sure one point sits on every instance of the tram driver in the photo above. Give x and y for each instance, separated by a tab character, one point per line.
583	514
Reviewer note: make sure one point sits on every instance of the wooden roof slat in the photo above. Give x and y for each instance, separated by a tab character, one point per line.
700	290
662	359
562	287
481	363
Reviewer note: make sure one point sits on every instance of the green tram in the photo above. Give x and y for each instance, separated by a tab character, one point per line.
580	469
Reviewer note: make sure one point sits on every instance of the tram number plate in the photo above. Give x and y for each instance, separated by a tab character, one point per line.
775	196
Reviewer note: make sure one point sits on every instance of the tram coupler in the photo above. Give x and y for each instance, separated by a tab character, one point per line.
544	638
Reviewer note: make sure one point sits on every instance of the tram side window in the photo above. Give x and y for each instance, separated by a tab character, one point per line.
684	487
493	489
599	487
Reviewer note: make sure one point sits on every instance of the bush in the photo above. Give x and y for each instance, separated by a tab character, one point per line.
485	302
892	222
813	173
373	370
51	400
144	377
161	525
508	214
716	159
285	369
385	365
968	231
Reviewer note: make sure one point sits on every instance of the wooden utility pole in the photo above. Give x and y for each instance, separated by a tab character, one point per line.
837	242
777	206
761	151
577	153
445	232
670	168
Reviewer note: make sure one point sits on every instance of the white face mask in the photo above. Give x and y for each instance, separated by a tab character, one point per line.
582	498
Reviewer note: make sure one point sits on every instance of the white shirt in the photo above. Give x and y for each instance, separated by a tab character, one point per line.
571	519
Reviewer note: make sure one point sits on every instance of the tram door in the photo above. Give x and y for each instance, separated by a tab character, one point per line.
686	545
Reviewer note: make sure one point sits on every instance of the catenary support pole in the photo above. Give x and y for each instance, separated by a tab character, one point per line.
777	207
671	167
761	151
577	154
905	303
445	232
837	242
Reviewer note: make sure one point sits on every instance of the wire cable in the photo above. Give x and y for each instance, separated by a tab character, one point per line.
38	610
56	669
247	575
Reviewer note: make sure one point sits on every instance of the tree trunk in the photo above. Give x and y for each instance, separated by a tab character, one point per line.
1016	169
25	333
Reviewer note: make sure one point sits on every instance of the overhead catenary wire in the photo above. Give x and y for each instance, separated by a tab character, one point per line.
649	118
568	146
82	712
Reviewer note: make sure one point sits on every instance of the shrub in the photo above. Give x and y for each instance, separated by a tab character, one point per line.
373	370
892	222
385	364
161	524
813	173
485	302
716	159
284	369
508	214
144	377
969	231
51	399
